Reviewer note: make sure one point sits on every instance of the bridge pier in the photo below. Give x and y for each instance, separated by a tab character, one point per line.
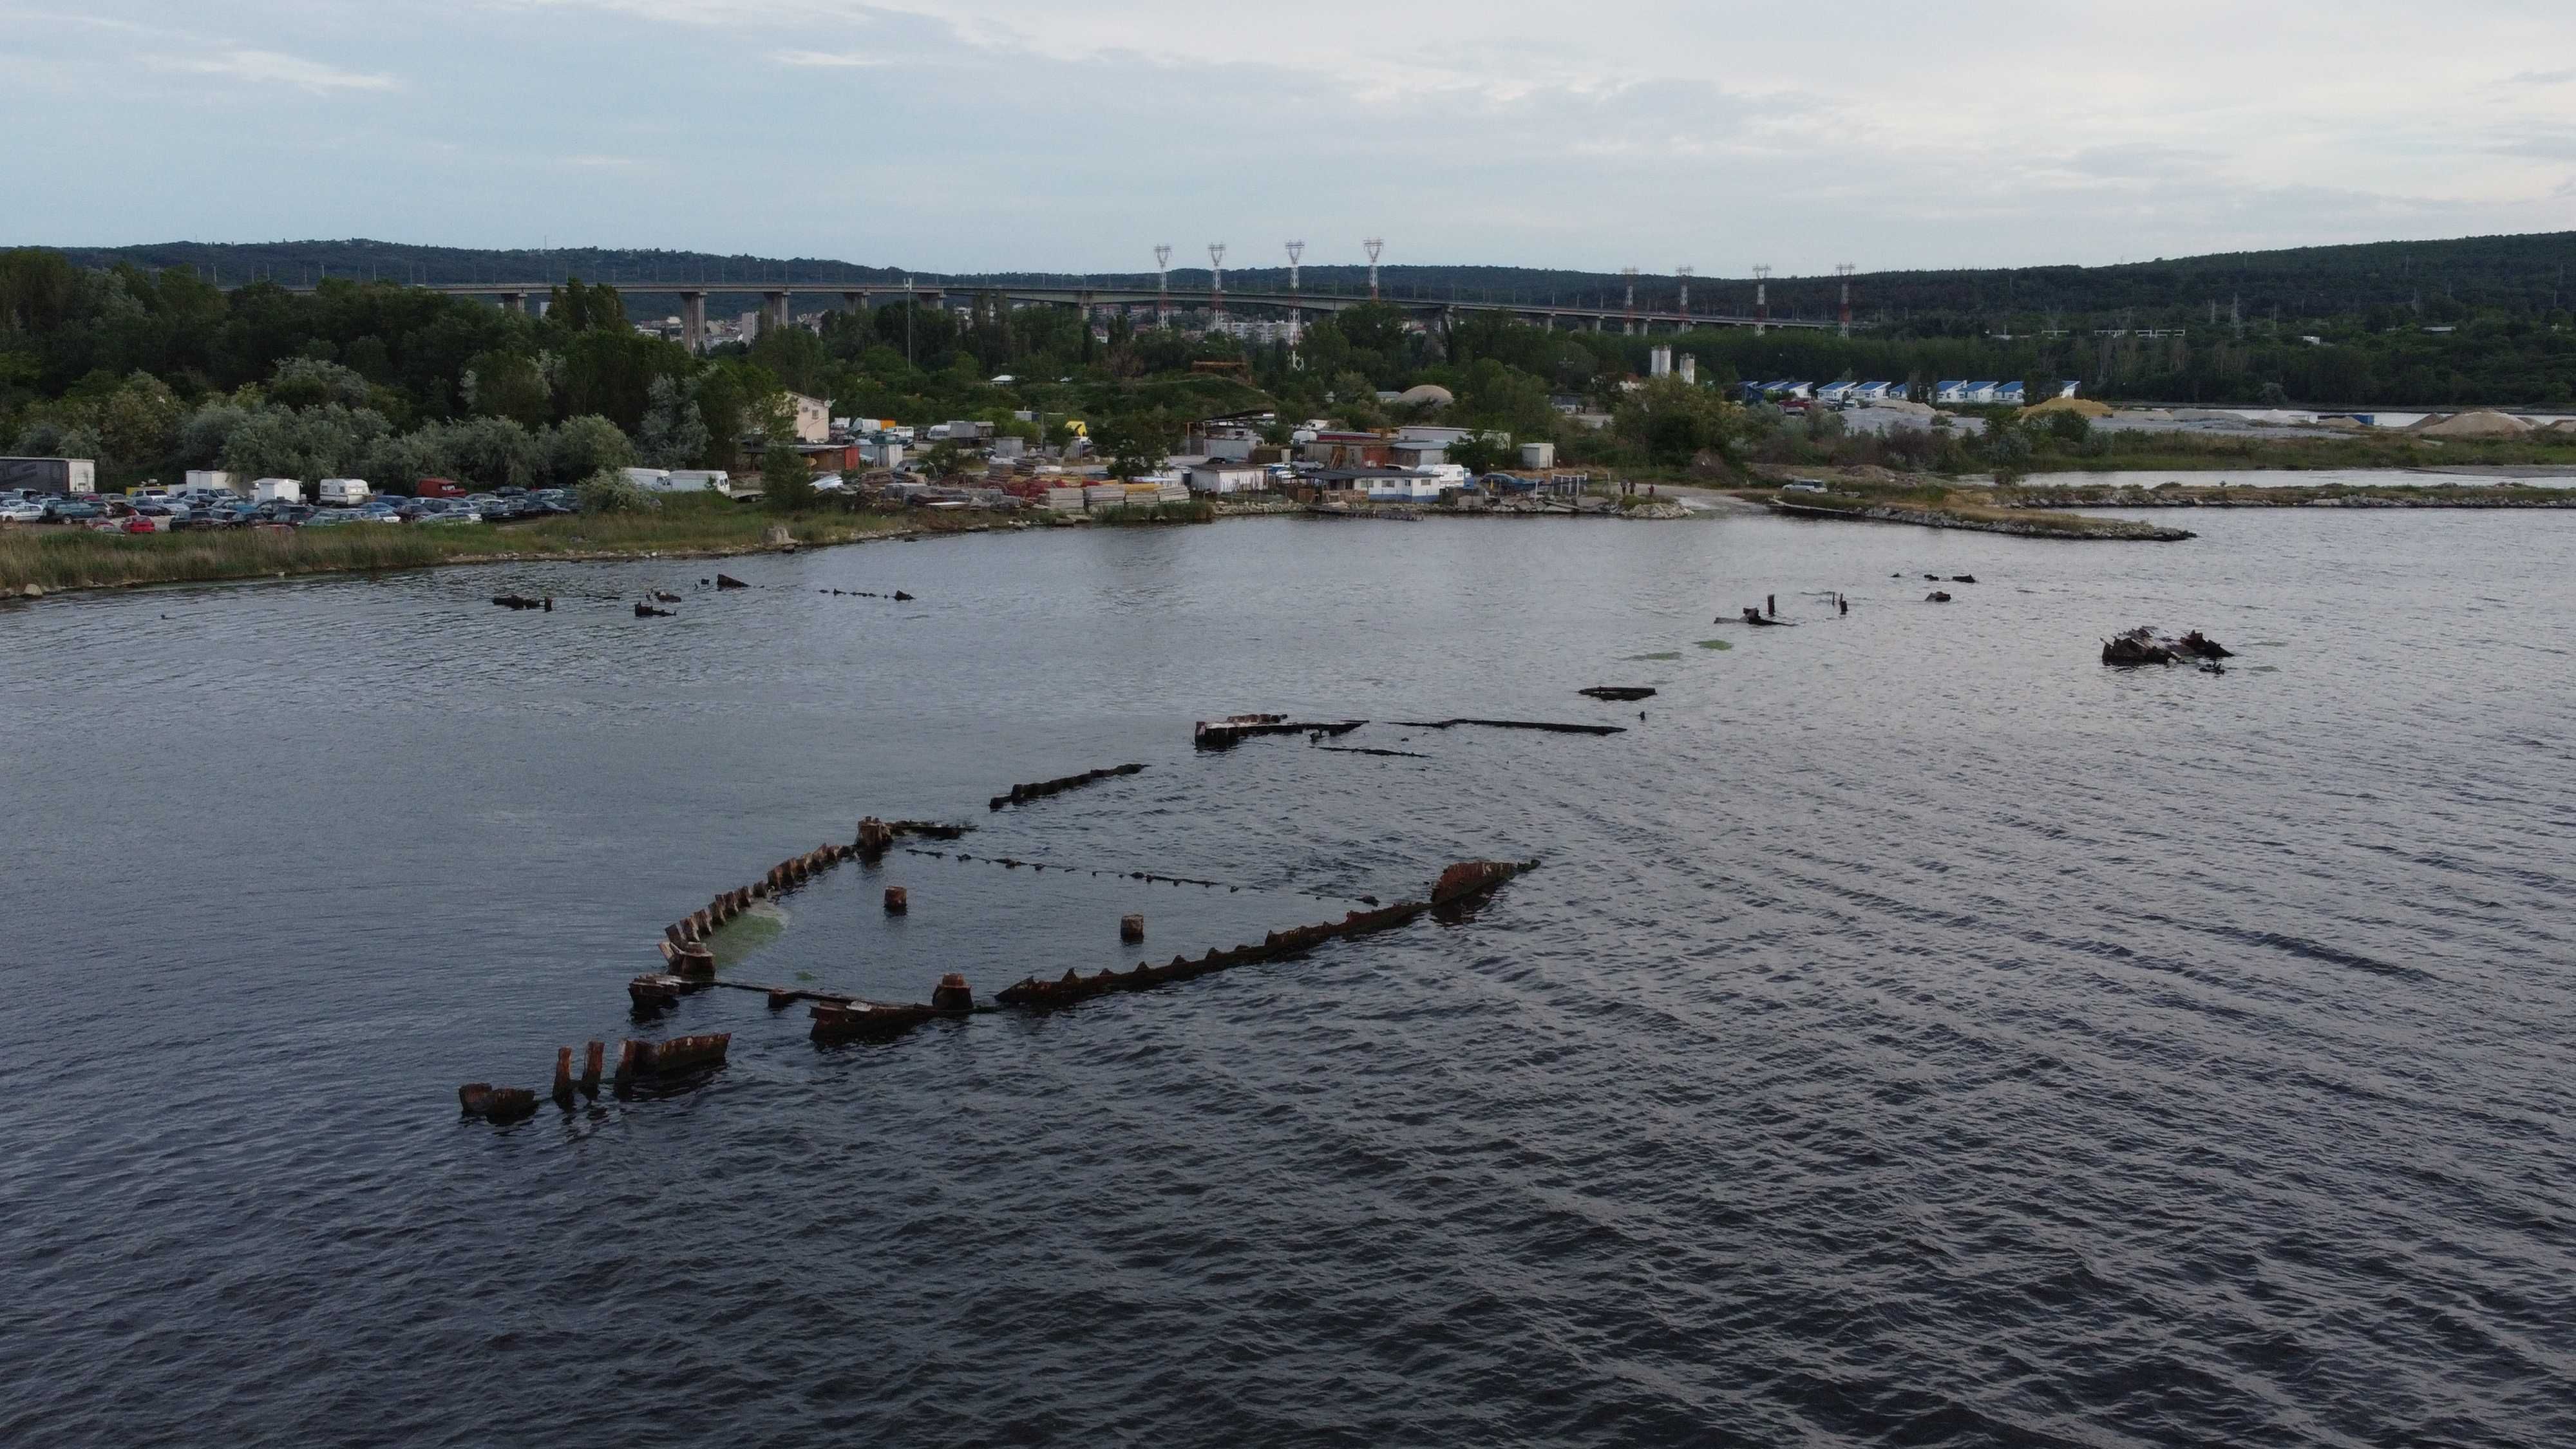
515	302
773	310
855	303
693	320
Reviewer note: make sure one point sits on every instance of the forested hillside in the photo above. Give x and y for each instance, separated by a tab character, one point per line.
151	372
2432	281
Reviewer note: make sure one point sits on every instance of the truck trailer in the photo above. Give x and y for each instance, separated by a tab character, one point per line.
49	475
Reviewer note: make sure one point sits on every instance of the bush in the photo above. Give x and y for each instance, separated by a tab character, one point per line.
610	491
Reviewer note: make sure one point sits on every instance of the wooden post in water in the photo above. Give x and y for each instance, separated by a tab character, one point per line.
563	1078
1131	929
898	901
590	1062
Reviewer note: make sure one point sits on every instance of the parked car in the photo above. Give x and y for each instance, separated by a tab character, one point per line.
139	523
18	510
452	515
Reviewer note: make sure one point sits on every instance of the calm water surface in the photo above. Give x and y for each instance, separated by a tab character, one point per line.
1919	1033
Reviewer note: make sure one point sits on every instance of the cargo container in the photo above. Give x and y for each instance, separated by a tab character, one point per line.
49	475
200	480
277	490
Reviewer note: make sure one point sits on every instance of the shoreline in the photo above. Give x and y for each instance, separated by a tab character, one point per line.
230	559
2039	525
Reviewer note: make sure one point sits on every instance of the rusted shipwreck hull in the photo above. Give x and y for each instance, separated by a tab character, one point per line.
1022	794
1073	986
1224	734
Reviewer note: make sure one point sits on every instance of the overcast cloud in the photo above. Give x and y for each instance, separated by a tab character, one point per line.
966	135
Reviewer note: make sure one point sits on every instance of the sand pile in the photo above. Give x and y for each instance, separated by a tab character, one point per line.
2482	423
2081	406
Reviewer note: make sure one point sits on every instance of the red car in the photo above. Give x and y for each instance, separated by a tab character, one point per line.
139	523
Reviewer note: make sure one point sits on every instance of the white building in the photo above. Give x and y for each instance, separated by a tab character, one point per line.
1227	475
813	418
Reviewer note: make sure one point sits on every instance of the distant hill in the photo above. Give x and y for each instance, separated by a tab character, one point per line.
2515	274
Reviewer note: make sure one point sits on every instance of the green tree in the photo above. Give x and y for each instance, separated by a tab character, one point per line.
307	443
1676	421
1480	453
786	483
1137	443
573	307
508	385
944	460
673	434
796	357
612	374
580	447
304	382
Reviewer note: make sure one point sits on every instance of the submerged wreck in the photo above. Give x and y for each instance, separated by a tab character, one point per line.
2143	645
1224	734
680	1063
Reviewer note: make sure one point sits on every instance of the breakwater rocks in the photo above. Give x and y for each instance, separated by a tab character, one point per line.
1022	794
1226	733
2118	529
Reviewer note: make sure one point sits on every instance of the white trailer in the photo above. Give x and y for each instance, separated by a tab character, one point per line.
696	480
277	490
343	492
205	480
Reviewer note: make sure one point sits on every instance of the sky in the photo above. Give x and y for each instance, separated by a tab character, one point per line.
979	135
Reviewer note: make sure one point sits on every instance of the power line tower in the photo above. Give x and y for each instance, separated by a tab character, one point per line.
1761	297
1844	270
1296	249
1216	281
1163	284
1374	246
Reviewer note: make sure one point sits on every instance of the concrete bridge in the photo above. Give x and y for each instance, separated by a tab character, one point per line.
776	297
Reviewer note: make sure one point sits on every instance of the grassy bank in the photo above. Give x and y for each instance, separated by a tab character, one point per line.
1195	510
2332	495
53	559
1929	504
2178	452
